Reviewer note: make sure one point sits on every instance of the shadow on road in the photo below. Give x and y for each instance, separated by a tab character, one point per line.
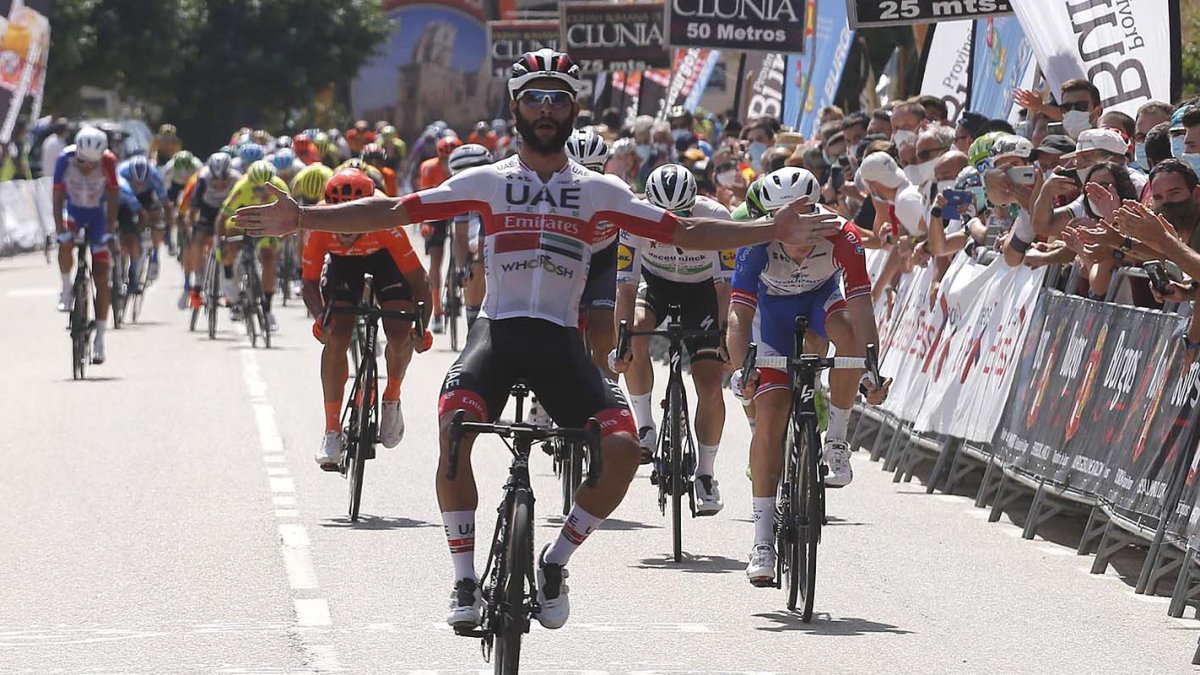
95	378
695	564
823	624
366	522
626	525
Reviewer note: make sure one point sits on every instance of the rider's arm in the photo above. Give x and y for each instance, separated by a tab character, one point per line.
848	252
312	260
743	301
60	191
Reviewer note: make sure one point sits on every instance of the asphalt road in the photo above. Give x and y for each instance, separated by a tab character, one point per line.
165	516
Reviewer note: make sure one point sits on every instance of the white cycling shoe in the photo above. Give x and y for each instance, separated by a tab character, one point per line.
466	604
836	455
647	441
98	349
554	603
330	454
708	496
391	424
761	569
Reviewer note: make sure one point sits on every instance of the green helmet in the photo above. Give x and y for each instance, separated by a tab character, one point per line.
980	152
260	172
309	184
184	164
754	202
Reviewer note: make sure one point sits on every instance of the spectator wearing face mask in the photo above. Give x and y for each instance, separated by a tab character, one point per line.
1149	115
1094	147
908	120
935	141
881	123
1185	136
1014	182
1080	106
758	135
900	214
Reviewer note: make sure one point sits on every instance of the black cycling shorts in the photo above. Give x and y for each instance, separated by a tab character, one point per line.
127	221
436	237
206	222
698	309
174	190
343	278
553	362
600	292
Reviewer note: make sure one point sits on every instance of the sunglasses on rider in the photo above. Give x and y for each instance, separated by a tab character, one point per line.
556	98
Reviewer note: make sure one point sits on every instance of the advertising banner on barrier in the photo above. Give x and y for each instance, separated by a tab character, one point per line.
602	36
905	345
1002	58
507	40
813	78
1129	50
947	64
1102	403
743	25
871	13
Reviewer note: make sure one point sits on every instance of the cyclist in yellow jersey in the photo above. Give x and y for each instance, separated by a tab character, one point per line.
250	190
395	148
164	145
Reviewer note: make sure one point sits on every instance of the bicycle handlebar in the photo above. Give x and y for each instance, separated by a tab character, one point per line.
590	435
624	334
870	362
368	309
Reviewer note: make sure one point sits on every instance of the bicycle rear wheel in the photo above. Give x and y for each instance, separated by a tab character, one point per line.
362	433
514	617
79	326
212	295
143	280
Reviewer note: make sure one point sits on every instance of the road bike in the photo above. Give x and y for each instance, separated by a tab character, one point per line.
509	587
675	457
289	266
360	417
118	273
251	297
136	292
79	321
452	296
800	507
211	292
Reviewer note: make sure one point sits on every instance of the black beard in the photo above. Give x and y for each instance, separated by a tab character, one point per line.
555	145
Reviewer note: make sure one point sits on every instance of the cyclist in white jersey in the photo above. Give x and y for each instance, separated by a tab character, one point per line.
541	214
772	285
657	277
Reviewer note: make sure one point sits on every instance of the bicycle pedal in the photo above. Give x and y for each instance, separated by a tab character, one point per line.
469	631
654	477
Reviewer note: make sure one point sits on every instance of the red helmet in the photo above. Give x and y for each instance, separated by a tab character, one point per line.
446	145
301	143
348	185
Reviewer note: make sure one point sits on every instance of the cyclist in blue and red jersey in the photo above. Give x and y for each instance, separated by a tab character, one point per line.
86	196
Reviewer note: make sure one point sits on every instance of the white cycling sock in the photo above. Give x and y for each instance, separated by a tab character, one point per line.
707	460
460	535
764	520
839	422
641	409
574	532
66	279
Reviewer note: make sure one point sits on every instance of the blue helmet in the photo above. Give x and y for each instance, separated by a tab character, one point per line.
283	159
139	169
251	153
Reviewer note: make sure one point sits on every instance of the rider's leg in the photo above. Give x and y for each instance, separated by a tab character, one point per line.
399	349
267	252
843	383
335	369
766	453
639	379
229	256
707	374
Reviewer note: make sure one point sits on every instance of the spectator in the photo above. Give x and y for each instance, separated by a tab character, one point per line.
881	123
967	129
1158	144
1049	155
935	141
935	108
854	128
1081	109
759	135
1149	115
1013	181
830	113
1095	147
53	144
908	120
15	165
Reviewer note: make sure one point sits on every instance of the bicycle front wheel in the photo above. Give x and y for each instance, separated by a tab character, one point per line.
79	327
143	280
676	478
363	440
808	515
514	616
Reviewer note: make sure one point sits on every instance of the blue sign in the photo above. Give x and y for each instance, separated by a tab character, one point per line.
1002	57
813	78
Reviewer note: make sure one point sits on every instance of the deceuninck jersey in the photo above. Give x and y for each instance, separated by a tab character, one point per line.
671	262
539	237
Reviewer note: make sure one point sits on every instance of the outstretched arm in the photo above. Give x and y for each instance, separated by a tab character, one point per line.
285	216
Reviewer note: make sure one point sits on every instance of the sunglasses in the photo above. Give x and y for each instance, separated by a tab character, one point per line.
556	98
1079	106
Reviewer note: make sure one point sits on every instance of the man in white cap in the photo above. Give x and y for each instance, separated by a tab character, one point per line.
1093	147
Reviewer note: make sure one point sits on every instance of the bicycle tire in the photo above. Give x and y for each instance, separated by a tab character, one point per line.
675	399
362	437
139	298
572	475
519	558
212	293
78	326
790	552
807	518
117	292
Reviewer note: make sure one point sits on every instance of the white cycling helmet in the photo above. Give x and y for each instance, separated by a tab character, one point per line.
671	187
468	156
543	63
219	164
90	144
588	148
786	185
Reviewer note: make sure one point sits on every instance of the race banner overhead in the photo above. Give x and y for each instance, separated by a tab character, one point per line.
871	13
947	67
741	25
1129	50
603	37
507	40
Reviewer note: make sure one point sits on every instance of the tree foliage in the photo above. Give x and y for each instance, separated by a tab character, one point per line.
1191	50
211	65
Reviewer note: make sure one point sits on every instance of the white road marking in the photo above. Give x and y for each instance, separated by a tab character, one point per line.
311	612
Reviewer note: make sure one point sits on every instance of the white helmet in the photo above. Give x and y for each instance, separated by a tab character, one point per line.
671	187
467	156
219	164
786	185
90	144
588	148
